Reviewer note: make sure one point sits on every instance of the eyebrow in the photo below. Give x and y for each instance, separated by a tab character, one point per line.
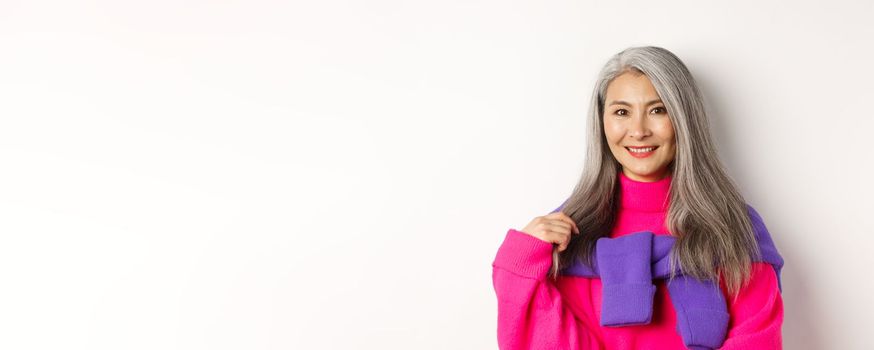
620	102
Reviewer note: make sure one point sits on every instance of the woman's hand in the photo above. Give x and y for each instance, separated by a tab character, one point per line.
555	228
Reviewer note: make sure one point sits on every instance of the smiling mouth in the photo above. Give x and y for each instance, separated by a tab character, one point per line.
642	149
641	152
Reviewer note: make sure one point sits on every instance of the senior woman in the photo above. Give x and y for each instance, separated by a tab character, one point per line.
655	248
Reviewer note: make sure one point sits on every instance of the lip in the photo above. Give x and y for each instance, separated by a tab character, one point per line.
641	155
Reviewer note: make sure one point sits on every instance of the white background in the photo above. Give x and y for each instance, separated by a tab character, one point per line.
340	174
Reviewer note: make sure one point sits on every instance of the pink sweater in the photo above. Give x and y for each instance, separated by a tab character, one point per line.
535	312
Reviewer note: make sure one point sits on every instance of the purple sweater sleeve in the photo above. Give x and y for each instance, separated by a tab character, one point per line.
531	312
626	274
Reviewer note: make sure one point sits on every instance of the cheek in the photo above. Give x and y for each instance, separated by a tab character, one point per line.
612	131
672	150
666	131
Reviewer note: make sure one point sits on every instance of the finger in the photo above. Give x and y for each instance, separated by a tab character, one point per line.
564	244
560	225
548	234
560	237
563	217
559	247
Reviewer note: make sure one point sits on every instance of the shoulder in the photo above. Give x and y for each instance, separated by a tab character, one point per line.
767	248
754	214
758	224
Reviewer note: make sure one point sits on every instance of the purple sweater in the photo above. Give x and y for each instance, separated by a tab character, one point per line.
627	266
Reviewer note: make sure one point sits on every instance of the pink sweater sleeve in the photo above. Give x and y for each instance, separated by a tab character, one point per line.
531	314
756	312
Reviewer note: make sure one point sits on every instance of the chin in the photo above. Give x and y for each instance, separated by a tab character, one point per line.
643	172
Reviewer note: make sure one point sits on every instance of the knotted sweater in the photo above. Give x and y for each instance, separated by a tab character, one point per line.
629	304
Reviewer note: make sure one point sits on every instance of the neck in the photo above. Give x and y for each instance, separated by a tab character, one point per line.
644	196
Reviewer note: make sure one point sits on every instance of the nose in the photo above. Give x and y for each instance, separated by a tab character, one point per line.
638	127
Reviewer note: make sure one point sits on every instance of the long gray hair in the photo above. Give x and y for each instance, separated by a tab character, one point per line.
707	213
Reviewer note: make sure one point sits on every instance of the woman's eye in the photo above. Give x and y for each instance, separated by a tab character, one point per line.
658	109
620	112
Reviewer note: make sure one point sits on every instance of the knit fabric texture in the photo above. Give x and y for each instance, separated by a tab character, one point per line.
624	300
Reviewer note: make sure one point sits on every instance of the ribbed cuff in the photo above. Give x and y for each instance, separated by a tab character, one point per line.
524	255
627	304
703	328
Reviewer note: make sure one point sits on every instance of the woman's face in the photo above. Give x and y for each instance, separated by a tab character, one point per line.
635	118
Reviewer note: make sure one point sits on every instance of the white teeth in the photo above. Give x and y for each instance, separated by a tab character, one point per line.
641	150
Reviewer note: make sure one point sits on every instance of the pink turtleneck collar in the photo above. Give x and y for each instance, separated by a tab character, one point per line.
645	196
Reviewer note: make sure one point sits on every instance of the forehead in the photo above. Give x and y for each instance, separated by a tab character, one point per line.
630	85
